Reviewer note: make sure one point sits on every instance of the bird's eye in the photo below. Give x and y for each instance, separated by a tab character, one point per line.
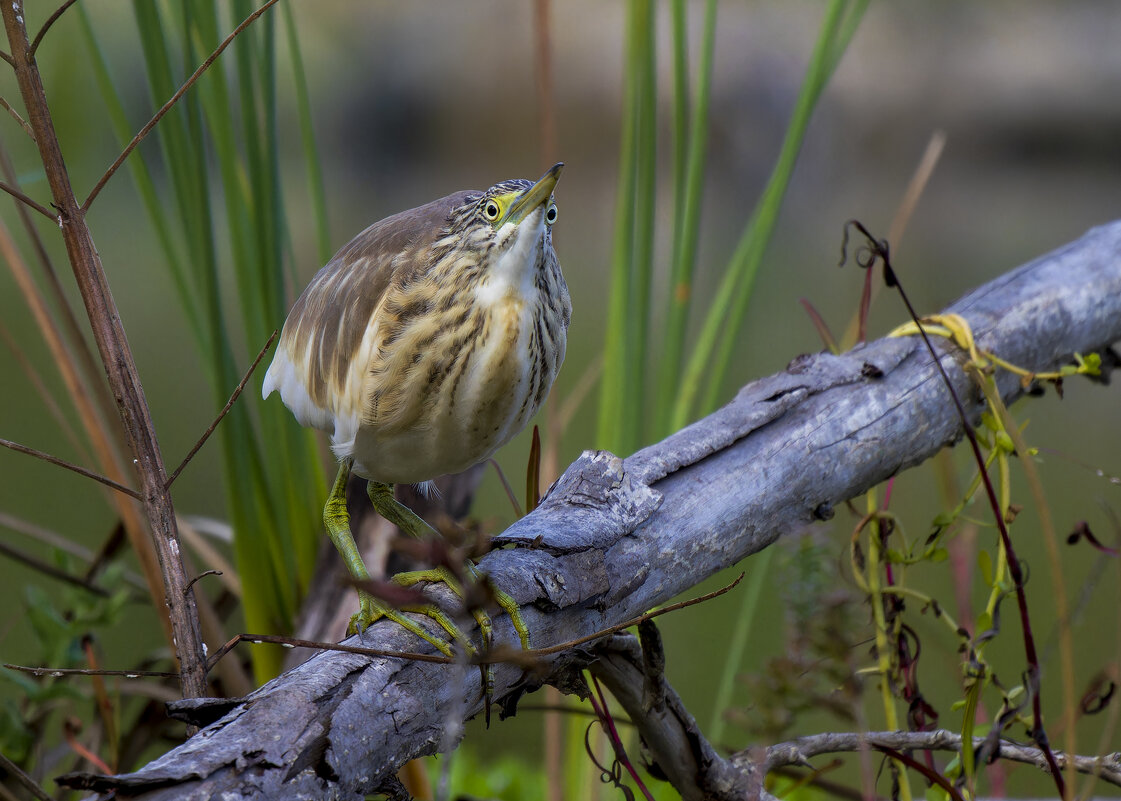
551	214
491	210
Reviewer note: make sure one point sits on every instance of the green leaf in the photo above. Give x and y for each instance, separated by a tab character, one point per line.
943	519
1091	364
938	555
935	793
16	737
968	718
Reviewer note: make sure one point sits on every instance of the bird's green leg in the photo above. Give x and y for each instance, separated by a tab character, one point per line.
381	495
507	605
337	520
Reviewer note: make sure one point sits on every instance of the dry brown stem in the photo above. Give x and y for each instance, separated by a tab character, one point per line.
116	357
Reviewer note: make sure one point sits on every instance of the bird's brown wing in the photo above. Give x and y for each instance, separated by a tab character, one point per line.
325	327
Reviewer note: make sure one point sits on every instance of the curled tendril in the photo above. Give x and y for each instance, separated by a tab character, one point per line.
1097	698
869	253
608	775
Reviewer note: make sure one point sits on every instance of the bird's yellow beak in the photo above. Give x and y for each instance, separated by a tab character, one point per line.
537	195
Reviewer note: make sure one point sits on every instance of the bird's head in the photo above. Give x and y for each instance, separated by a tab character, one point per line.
511	213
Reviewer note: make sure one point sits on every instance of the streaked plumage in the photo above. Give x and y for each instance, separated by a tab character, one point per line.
431	338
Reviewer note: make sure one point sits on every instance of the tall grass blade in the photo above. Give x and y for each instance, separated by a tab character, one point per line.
645	206
141	174
316	193
619	371
692	148
221	142
708	364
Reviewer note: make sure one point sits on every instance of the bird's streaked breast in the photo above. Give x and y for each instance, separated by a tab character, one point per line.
449	386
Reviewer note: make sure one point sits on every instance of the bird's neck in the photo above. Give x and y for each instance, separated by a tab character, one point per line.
512	277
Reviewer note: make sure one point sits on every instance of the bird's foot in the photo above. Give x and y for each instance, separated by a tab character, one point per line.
381	496
441	575
506	603
371	610
444	576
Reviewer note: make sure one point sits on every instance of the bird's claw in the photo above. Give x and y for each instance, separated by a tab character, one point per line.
371	610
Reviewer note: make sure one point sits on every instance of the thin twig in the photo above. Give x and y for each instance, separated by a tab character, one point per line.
203	574
136	140
506	486
48	569
47	26
295	642
109	548
199	542
41	534
29	784
23	123
225	410
4	55
70	730
584	385
497	656
607	722
101	698
928	773
915	187
46	457
59	672
55	540
20	196
799	751
1032	674
159	554
634	621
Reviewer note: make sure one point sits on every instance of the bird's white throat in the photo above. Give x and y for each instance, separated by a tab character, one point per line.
512	275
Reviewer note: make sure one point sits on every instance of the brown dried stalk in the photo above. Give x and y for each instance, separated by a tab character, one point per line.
116	356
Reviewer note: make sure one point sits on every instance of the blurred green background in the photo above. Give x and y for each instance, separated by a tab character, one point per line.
413	101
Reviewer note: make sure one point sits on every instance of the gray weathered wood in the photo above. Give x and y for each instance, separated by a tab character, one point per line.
617	537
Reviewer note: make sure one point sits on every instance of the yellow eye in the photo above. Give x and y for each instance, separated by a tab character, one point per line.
491	210
551	214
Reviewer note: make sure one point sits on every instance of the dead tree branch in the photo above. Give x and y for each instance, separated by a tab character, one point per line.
616	537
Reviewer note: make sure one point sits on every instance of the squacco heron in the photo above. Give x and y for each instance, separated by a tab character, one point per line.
423	346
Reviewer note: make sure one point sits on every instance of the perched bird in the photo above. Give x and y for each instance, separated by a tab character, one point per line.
424	345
